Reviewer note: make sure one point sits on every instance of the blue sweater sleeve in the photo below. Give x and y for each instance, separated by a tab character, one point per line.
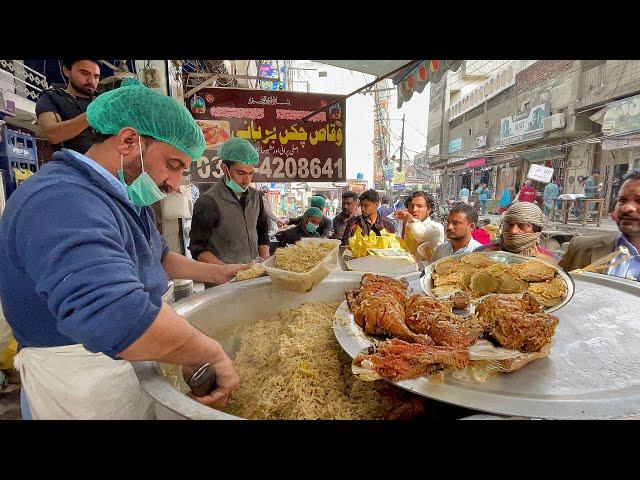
76	256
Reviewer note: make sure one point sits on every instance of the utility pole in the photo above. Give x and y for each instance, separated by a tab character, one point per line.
401	143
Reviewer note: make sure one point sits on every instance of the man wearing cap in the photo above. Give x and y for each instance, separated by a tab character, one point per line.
229	223
326	225
307	227
83	268
61	112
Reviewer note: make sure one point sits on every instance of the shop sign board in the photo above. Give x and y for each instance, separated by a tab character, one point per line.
524	126
455	145
290	150
622	116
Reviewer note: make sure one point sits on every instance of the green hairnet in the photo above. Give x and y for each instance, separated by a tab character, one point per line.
313	212
238	149
150	113
318	201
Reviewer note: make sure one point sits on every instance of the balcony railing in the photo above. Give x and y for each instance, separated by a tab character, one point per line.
24	81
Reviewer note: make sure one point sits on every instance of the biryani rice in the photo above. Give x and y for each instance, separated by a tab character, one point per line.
302	256
292	367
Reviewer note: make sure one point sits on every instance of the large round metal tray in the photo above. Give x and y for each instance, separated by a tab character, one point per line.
426	282
592	372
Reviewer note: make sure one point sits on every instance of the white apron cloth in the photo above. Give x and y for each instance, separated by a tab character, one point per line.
68	383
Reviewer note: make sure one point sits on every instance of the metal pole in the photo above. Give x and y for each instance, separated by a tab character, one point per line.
402	142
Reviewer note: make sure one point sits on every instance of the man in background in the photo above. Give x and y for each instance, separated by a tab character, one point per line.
61	112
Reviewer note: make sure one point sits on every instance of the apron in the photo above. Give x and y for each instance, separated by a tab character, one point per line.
71	383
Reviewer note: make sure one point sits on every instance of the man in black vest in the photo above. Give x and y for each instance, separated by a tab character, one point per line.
229	221
61	112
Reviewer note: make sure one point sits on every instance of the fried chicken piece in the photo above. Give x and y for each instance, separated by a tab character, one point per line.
371	278
450	334
461	300
515	323
396	360
527	332
495	305
535	271
431	317
384	316
550	292
476	260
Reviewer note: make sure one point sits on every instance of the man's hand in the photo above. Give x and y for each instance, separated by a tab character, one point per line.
403	215
227	380
223	273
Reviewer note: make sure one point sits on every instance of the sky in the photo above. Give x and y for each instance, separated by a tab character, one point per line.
360	111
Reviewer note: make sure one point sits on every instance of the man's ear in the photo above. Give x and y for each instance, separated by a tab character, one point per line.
65	71
127	141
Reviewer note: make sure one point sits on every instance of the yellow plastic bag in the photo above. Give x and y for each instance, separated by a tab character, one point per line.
7	355
360	244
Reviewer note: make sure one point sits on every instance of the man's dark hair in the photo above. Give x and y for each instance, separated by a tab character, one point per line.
427	198
385	201
69	63
486	221
632	175
407	202
595	170
468	210
350	194
370	196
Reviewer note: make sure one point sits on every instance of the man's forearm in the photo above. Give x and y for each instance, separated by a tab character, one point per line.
60	131
171	339
178	266
208	257
264	251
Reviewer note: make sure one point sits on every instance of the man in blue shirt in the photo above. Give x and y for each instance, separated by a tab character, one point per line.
83	267
585	250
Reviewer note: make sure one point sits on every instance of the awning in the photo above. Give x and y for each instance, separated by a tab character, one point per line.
543	154
415	79
410	80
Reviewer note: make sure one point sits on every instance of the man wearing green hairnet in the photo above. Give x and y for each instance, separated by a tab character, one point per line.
83	267
229	223
307	227
325	229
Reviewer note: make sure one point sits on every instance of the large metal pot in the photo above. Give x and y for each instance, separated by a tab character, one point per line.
221	313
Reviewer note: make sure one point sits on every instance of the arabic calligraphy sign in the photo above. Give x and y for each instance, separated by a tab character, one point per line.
290	150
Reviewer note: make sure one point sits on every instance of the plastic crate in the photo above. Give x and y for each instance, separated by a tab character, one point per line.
304	282
17	150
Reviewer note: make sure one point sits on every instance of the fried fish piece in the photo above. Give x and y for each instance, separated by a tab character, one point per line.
476	260
447	266
483	283
444	290
535	271
554	288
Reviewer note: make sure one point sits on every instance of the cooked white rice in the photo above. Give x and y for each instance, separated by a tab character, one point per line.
292	367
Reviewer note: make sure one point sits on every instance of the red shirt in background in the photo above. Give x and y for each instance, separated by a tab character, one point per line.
527	194
481	235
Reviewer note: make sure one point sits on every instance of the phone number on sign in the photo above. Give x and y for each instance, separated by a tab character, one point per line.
278	168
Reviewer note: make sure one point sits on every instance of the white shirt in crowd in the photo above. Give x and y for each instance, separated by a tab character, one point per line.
446	249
